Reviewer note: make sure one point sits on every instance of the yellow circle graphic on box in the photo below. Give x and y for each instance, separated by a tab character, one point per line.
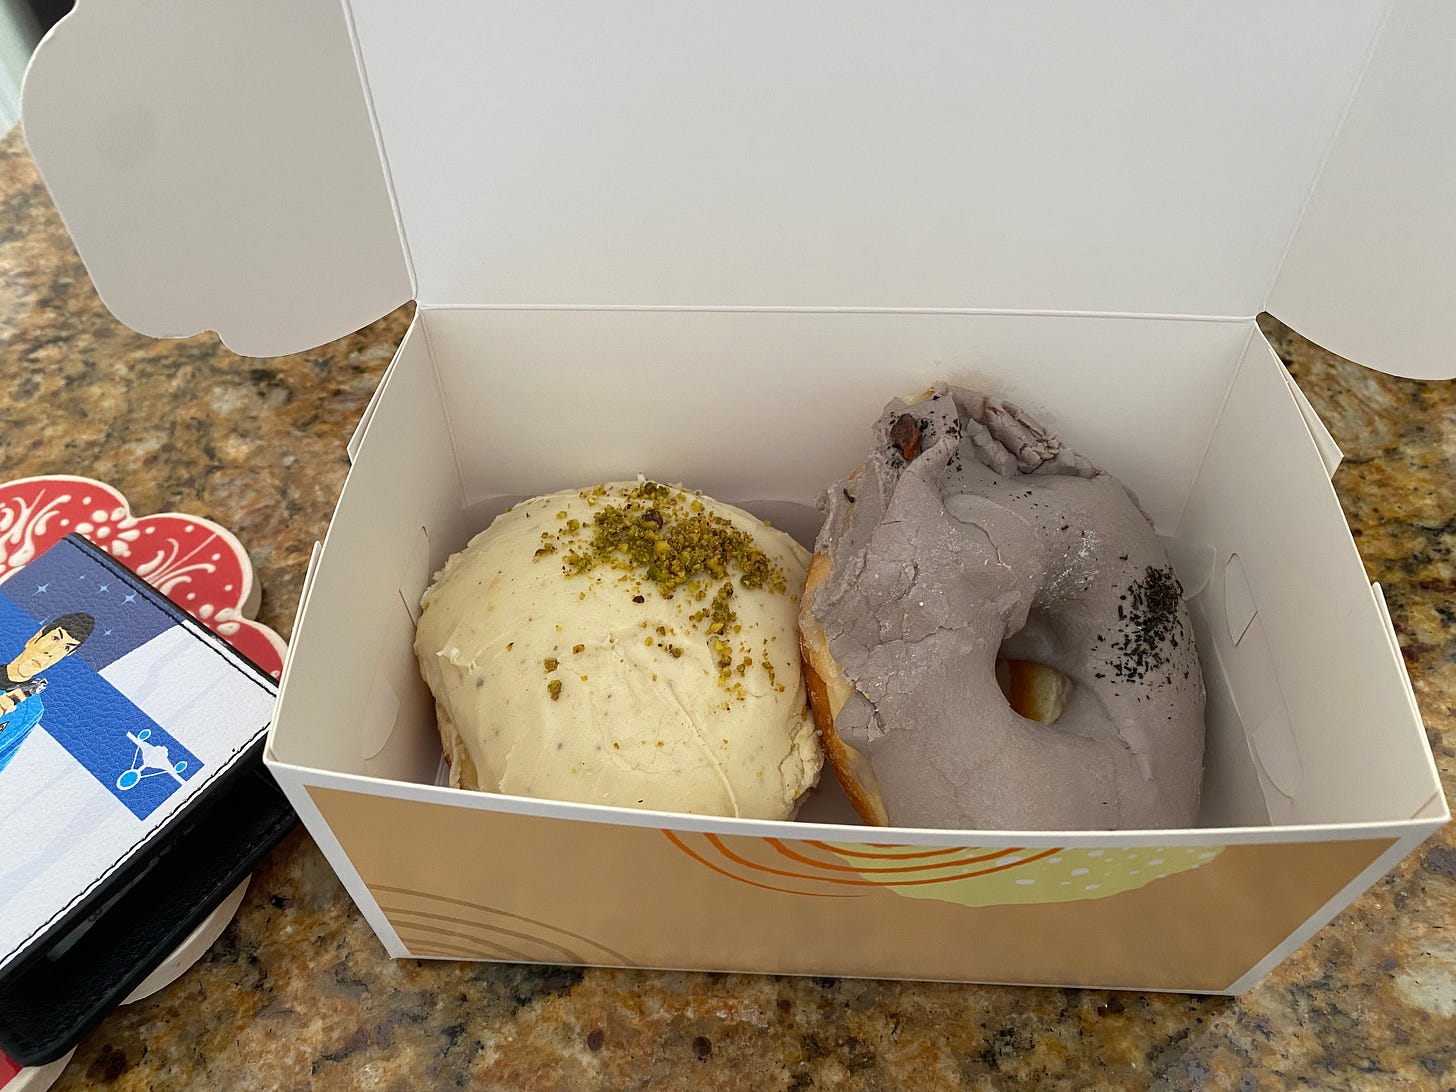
1028	876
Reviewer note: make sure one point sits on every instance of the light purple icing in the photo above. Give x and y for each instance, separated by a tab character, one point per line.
996	538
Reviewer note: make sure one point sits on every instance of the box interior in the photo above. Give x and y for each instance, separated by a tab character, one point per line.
486	405
707	243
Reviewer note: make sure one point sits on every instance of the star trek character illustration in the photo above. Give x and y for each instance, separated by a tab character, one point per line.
21	680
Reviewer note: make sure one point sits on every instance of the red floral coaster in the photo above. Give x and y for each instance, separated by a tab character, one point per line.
194	562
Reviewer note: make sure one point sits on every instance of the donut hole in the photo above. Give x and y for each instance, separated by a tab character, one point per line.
1034	690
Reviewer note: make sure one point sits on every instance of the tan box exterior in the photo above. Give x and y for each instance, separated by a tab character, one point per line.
1165	917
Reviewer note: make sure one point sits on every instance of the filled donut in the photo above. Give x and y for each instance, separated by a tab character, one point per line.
631	644
970	535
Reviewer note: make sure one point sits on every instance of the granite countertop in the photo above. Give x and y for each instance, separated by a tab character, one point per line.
298	993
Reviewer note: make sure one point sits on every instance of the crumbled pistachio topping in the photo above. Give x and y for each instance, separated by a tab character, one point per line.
671	539
656	535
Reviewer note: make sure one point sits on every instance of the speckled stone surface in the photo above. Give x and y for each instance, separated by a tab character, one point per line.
297	993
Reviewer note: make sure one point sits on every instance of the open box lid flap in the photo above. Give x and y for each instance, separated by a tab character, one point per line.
1371	271
222	170
217	168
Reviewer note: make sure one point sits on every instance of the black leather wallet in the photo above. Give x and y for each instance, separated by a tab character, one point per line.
87	960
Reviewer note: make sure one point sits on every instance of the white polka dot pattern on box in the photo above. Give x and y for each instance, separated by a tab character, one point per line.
989	877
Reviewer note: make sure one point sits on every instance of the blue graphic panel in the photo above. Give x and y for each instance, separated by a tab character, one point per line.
130	755
66	578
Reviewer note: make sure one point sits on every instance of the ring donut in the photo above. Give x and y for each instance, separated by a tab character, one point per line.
971	536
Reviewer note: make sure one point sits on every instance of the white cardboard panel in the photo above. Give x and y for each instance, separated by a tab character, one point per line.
1055	155
1435	808
217	168
356	440
1372	270
350	660
1330	453
776	406
1436	805
1323	654
1233	794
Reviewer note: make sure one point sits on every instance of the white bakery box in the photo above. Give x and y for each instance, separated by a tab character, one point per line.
707	241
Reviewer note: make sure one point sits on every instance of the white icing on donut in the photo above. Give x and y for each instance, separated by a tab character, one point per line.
639	717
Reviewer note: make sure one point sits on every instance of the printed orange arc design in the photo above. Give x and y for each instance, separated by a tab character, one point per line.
675	840
403	912
918	854
718	844
760	862
504	950
430	948
882	869
430	937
